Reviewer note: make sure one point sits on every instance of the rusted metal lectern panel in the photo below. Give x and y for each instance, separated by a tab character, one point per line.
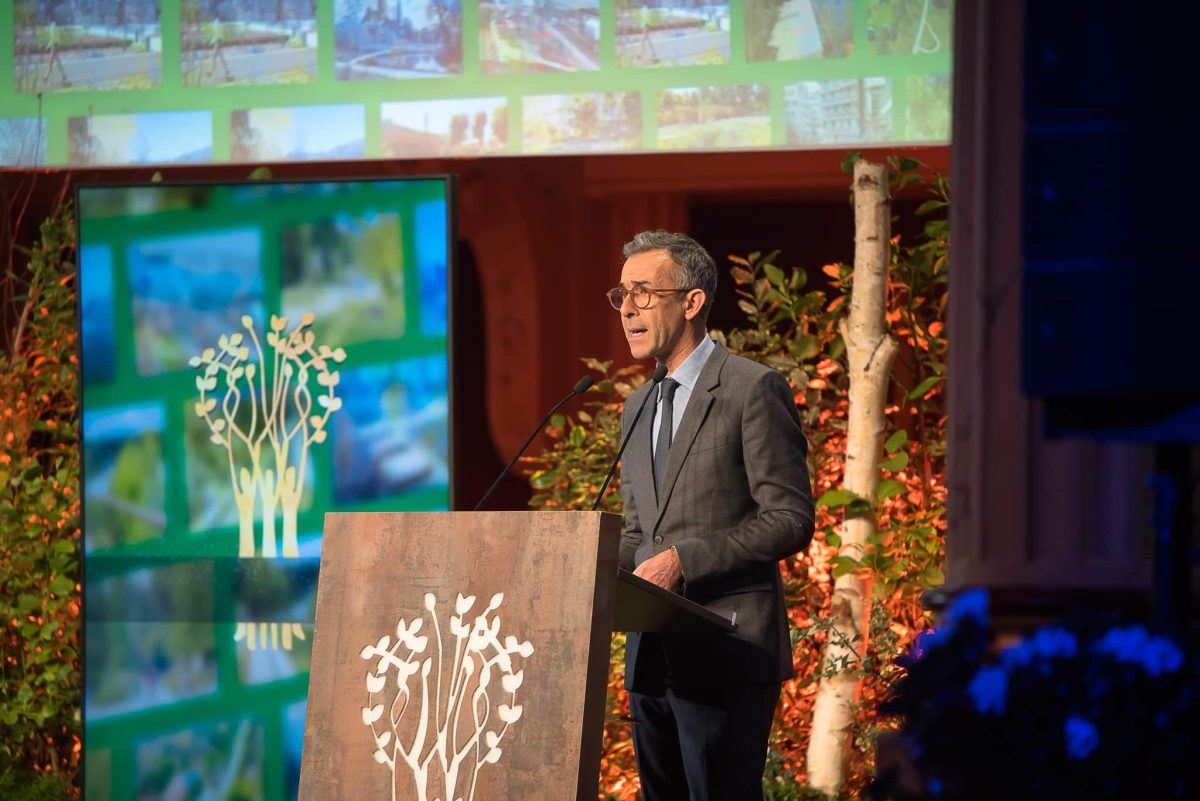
460	656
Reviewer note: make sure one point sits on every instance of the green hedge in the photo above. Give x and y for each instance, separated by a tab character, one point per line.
39	521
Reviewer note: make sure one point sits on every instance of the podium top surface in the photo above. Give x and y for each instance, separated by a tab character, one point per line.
643	606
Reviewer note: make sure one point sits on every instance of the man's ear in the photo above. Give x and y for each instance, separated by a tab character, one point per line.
693	303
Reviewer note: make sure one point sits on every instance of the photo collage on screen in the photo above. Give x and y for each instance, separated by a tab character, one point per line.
351	79
254	356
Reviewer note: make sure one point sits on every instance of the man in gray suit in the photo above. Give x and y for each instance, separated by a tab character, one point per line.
716	492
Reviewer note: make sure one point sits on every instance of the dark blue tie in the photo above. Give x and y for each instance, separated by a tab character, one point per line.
669	385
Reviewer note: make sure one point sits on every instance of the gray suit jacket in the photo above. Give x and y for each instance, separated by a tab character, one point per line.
735	500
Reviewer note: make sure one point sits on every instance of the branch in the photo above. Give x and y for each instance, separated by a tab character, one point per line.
248	324
303	399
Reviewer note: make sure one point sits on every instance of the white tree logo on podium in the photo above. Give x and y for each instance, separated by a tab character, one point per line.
441	730
275	443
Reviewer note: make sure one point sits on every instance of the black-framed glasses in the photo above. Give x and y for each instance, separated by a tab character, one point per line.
640	295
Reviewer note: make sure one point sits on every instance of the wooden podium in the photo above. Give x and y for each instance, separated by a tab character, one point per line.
464	655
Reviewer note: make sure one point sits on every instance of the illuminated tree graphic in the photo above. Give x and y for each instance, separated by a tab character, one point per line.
443	741
268	452
268	636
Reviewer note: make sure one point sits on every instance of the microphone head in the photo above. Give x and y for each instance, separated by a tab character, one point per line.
660	372
582	384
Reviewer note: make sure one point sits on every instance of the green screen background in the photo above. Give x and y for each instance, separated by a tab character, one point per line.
176	704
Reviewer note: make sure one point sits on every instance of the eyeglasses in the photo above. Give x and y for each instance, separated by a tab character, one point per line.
640	295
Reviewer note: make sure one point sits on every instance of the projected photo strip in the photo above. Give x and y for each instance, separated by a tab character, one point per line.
180	81
254	356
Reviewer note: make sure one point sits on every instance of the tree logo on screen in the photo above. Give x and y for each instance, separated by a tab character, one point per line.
266	416
451	706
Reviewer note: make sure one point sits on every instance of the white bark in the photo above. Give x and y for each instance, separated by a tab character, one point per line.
870	352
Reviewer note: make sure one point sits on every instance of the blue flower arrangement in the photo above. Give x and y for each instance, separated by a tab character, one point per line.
1074	710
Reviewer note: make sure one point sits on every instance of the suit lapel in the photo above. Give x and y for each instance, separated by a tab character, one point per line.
689	426
638	453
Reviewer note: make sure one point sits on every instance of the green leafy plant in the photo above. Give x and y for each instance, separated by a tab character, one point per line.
569	474
39	512
45	787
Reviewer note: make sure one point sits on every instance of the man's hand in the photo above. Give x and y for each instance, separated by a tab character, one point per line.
663	570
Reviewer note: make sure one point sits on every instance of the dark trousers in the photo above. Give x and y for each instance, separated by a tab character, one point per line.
703	745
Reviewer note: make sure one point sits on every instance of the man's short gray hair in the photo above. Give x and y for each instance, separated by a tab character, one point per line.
693	267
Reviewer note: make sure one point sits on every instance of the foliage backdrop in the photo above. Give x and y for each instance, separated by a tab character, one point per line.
39	512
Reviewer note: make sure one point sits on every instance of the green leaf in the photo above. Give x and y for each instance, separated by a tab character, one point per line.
875	561
930	206
896	441
843	565
849	160
775	275
62	585
858	506
836	498
804	346
933	576
833	539
578	435
888	488
896	463
543	480
779	362
26	604
924	387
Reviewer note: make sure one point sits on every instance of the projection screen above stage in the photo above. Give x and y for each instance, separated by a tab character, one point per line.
185	81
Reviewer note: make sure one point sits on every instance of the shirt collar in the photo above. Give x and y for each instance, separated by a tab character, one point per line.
687	373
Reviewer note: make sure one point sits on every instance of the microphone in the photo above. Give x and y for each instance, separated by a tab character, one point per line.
660	372
580	386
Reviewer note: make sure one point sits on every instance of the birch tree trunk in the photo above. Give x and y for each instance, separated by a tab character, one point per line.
870	352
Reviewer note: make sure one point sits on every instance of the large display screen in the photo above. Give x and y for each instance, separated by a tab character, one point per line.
178	81
254	355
